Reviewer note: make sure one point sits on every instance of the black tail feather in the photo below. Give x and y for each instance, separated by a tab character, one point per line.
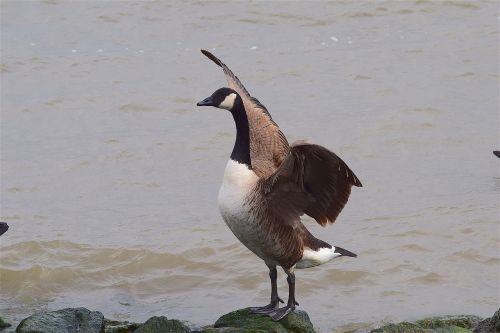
344	252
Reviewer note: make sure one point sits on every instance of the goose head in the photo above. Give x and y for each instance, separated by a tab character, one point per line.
223	98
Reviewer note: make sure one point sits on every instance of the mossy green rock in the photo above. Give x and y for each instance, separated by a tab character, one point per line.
451	329
70	320
162	325
114	326
243	321
444	324
403	327
211	329
440	322
4	324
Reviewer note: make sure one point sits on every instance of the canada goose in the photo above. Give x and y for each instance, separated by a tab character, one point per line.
268	185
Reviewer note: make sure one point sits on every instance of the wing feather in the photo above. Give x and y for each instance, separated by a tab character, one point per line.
268	145
311	180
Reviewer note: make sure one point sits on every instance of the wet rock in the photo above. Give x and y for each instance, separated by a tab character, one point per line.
212	329
444	324
114	326
70	320
162	325
489	325
403	327
445	321
242	321
4	324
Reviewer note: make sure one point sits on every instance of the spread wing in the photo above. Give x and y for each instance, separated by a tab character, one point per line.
311	180
268	145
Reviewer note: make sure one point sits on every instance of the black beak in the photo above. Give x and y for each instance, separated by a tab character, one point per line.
206	102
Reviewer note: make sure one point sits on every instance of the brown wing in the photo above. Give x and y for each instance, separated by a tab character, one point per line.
311	180
268	145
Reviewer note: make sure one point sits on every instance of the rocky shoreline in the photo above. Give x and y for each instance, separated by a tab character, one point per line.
82	320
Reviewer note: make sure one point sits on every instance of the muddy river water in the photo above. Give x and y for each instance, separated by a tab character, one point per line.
110	173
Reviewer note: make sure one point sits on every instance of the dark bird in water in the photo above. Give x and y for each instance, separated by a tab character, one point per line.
3	228
496	153
268	185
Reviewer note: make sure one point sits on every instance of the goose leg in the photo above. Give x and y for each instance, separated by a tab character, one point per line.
281	313
275	299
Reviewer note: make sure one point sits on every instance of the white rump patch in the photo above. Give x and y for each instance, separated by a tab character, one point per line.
311	258
228	102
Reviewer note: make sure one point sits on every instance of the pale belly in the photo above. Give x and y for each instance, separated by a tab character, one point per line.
237	185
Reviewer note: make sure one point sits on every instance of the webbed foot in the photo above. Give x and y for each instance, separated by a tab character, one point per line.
271	307
281	313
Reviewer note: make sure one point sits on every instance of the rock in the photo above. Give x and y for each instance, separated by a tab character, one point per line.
489	325
403	327
242	321
451	329
444	321
227	330
70	320
4	324
444	324
162	325
113	326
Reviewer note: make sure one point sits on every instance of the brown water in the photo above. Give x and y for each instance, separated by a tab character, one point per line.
109	172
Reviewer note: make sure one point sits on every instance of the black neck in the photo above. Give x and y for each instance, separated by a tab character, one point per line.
241	150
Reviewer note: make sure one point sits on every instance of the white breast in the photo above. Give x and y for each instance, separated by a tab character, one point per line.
238	183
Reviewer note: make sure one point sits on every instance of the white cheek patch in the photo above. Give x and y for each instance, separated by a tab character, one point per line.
228	102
